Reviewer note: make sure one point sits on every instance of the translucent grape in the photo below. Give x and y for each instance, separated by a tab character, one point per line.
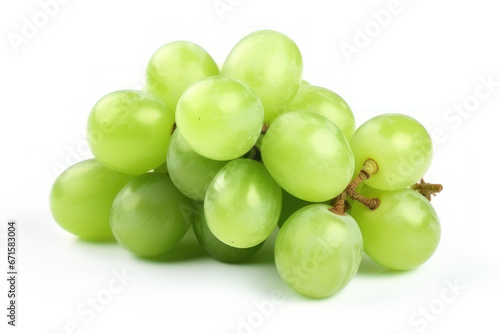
318	252
308	156
190	172
149	215
176	66
216	248
242	204
271	64
400	146
327	103
220	118
128	131
81	199
403	232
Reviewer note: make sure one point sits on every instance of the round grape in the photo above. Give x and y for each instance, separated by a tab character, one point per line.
81	199
308	156
271	64
149	215
220	118
242	204
400	146
403	232
128	131
318	252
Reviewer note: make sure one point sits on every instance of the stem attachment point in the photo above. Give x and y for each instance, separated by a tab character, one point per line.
427	189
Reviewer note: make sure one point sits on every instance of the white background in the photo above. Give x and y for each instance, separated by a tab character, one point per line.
430	57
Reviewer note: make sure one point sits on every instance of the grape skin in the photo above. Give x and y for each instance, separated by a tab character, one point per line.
327	103
271	64
220	118
401	147
242	204
176	66
81	199
308	156
128	131
216	248
403	232
190	172
318	252
291	204
149	215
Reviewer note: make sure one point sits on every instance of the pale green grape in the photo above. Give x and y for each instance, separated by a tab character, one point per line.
81	199
308	156
242	204
176	66
128	131
271	64
403	232
190	172
400	146
149	215
305	83
220	118
216	248
327	103
318	252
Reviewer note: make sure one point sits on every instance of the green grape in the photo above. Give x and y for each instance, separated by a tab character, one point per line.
271	64
176	66
289	206
318	252
242	204
325	102
128	131
220	118
190	172
308	156
403	232
149	215
216	248
81	199
400	146
305	83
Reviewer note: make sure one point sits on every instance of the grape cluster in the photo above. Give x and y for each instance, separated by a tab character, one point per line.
237	151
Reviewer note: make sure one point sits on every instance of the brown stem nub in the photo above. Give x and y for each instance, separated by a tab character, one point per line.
339	204
265	127
370	167
427	189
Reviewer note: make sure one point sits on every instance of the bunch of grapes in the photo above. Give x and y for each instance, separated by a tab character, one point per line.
237	151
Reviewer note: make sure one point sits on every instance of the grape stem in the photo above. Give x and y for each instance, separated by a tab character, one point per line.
338	204
369	168
265	127
427	189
